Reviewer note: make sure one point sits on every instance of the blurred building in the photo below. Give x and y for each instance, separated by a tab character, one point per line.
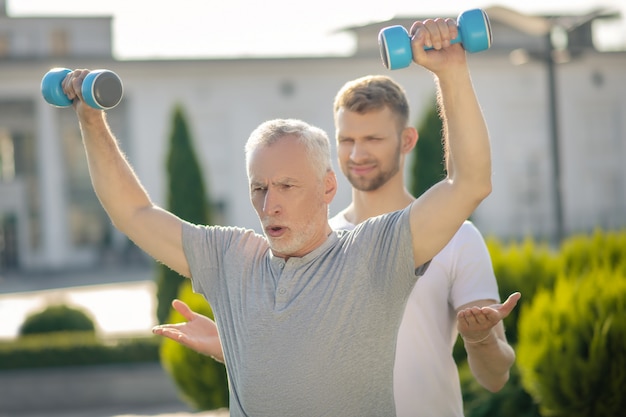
51	219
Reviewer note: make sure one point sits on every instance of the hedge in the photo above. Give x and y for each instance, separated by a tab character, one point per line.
572	346
75	349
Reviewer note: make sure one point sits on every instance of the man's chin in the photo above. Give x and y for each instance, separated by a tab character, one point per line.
282	253
277	248
364	186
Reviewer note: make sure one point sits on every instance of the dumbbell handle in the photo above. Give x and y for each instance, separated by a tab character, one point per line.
474	32
102	89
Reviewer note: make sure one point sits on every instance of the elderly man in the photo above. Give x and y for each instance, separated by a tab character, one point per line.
308	317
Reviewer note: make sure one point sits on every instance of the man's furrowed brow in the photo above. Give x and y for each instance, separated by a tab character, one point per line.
257	183
278	181
285	181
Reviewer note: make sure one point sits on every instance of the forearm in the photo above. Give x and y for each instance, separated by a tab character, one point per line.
156	231
113	179
490	361
465	132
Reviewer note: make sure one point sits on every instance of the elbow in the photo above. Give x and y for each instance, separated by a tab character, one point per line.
498	380
477	188
496	384
127	219
484	185
495	378
485	189
480	190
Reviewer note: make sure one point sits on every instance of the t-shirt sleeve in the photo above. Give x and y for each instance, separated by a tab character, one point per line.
386	248
217	253
474	278
200	255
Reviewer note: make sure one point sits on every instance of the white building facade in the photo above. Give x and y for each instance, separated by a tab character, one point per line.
50	218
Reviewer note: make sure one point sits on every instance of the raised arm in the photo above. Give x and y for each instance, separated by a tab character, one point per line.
120	192
438	213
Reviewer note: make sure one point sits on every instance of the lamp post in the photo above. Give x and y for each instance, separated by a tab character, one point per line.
555	32
554	141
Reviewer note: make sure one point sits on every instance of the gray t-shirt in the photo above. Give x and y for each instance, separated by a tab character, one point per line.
312	336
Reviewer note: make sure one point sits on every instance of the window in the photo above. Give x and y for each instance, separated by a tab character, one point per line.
59	45
18	159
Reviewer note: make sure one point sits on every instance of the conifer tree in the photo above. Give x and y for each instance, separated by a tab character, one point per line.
428	166
187	198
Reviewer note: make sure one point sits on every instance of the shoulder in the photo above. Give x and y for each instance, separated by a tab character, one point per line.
226	234
467	238
468	232
339	222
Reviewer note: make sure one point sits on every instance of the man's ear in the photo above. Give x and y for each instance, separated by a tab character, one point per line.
409	139
330	186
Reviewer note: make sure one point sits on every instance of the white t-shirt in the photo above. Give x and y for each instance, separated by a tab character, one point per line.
426	380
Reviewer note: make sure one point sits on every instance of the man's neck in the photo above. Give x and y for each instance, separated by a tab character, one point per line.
390	197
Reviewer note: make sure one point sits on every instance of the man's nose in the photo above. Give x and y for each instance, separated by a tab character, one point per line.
271	203
358	152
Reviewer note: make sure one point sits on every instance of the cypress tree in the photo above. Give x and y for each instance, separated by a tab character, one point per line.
186	198
428	166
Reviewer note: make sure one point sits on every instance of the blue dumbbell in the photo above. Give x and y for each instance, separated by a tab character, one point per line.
474	35
102	89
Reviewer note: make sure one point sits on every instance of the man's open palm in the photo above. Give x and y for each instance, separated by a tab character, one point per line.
474	323
198	332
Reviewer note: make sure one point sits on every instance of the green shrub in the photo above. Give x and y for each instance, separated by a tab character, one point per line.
601	250
531	267
525	267
57	318
75	349
201	380
572	346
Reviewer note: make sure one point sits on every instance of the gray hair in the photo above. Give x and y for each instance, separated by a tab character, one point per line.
313	138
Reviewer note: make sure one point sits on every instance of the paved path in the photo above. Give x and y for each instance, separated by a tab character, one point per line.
119	309
120	301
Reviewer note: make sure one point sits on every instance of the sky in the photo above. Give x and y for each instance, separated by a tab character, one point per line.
145	29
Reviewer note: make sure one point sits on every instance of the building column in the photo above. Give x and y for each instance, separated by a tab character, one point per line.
55	248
